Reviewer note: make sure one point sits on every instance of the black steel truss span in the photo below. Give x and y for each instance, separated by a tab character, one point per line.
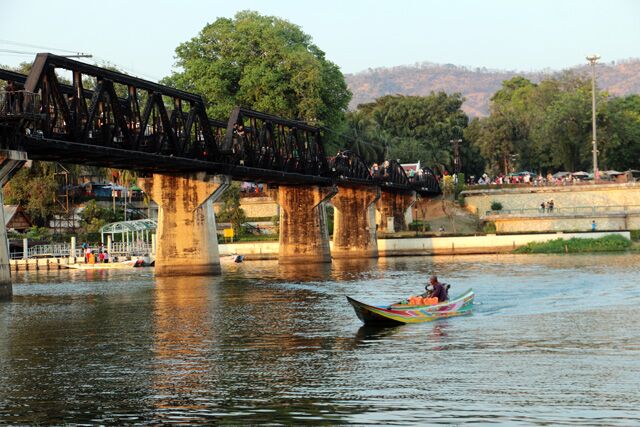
264	141
130	123
121	111
348	166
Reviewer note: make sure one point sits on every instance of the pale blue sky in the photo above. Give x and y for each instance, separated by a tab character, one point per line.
141	36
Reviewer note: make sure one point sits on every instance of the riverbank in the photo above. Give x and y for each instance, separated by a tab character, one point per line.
460	245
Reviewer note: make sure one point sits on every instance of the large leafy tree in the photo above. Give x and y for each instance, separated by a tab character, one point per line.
412	128
35	189
264	63
619	134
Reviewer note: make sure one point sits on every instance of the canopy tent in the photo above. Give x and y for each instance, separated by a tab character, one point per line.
579	174
561	174
131	231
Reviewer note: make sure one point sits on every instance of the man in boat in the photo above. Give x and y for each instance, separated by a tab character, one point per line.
437	289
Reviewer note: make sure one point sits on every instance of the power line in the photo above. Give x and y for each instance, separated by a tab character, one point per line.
35	46
17	52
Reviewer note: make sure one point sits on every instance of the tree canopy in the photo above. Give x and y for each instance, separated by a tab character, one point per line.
264	63
547	127
411	129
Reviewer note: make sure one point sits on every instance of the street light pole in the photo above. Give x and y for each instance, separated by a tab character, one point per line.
593	59
456	155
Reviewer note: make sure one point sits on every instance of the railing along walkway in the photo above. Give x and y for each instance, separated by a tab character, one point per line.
563	211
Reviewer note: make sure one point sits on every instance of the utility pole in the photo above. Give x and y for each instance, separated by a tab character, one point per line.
593	59
456	155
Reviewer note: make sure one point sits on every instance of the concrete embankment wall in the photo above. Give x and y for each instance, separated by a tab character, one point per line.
488	244
479	201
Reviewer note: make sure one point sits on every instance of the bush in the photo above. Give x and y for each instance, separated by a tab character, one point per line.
496	206
419	226
635	235
610	243
489	227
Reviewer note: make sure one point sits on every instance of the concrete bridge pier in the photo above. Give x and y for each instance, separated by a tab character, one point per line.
187	243
354	222
10	162
304	237
392	208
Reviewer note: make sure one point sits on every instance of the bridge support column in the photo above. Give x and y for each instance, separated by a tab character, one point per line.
303	224
393	205
354	222
187	243
10	162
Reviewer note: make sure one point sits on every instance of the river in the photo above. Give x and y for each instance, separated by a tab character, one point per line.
554	339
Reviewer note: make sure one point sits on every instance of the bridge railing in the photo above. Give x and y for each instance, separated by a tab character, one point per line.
19	103
63	250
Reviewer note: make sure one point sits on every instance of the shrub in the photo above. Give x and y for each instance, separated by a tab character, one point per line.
635	235
496	206
489	227
610	243
419	226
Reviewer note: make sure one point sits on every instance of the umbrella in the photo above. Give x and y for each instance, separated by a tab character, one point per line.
579	173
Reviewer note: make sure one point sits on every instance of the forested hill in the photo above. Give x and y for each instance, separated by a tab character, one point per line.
476	85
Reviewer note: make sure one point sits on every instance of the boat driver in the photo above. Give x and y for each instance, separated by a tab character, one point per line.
436	289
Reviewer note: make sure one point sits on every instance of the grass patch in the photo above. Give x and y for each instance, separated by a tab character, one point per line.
612	243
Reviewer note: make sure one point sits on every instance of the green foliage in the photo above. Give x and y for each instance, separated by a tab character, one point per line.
231	211
419	225
95	217
609	243
547	127
264	63
37	233
409	128
496	206
635	235
35	189
489	227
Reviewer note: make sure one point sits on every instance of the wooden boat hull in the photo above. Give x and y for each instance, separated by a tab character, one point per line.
402	314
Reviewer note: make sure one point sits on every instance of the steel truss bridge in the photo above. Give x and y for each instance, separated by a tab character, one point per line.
130	123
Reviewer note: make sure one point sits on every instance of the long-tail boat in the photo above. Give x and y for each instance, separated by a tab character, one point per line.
399	313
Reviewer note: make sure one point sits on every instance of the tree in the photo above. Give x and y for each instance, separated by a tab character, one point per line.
264	63
35	189
619	137
231	210
413	127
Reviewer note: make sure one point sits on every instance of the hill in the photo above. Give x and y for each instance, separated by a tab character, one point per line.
476	85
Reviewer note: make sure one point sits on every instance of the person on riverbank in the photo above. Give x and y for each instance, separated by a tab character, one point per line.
435	289
593	225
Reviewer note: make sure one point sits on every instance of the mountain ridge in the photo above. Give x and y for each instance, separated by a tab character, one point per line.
476	84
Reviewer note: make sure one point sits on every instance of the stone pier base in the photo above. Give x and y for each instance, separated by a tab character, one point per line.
354	223
10	162
393	205
303	224
187	243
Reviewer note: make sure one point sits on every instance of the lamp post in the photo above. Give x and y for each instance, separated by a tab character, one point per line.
593	59
456	155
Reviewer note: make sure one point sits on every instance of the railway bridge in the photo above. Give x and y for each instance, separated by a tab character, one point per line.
187	160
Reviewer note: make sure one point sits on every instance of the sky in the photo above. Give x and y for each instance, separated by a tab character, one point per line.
140	37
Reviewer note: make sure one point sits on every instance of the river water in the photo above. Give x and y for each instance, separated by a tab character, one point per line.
553	340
